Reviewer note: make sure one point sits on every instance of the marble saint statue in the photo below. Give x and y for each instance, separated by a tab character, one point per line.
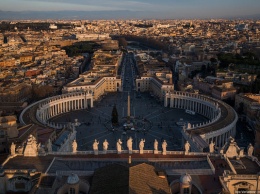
105	145
164	146
189	126
155	145
250	150
95	145
187	147
12	149
119	146
74	146
31	148
130	144
211	147
141	146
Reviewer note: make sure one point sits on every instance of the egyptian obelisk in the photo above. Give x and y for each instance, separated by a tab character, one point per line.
128	106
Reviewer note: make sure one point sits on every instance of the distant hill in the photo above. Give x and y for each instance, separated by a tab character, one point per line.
91	15
254	16
117	14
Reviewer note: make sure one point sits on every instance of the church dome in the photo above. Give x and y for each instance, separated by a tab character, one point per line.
185	179
73	179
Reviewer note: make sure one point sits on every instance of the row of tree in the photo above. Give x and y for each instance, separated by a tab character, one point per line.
148	41
41	91
37	26
248	58
81	47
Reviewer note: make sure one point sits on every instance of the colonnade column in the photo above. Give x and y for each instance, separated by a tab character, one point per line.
80	103
223	139
91	102
219	141
171	102
85	103
165	101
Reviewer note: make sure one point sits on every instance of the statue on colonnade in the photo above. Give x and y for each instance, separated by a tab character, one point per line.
12	149
74	146
95	145
250	150
164	146
211	147
187	147
119	146
105	145
130	145
155	146
141	146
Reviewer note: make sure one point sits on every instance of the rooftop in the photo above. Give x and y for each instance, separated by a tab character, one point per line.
251	167
7	119
116	178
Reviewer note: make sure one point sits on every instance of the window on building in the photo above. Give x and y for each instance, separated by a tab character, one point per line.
19	186
72	191
242	189
186	190
2	133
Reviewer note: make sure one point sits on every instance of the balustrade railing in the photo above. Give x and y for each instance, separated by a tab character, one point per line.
189	171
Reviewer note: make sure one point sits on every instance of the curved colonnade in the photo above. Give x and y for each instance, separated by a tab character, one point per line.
53	106
222	118
221	124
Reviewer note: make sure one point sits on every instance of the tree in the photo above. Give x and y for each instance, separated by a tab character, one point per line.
240	109
40	92
114	115
203	71
213	60
122	42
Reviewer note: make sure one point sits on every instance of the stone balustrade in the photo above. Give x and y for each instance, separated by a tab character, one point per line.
189	171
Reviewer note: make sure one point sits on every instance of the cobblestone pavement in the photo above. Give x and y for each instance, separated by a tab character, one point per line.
163	120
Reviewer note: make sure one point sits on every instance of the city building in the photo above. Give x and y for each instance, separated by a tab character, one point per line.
154	77
248	104
10	92
101	78
8	130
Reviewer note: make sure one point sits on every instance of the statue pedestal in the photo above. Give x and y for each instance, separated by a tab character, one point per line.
104	152
141	151
95	152
118	152
130	152
164	153
186	153
155	151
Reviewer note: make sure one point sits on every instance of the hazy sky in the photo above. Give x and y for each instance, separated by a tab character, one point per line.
181	8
